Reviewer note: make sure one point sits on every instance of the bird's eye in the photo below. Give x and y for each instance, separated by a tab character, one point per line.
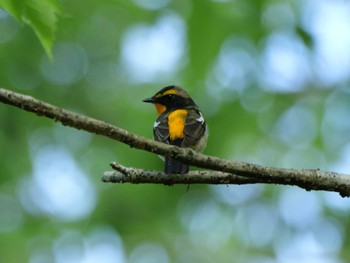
170	96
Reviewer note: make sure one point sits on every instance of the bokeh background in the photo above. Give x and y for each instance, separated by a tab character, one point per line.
271	78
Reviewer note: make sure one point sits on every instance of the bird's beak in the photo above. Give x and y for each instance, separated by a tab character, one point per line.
149	100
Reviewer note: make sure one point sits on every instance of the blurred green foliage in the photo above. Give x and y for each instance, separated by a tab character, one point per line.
271	78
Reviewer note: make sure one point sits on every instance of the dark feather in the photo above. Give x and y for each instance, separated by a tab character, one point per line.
173	166
194	130
161	132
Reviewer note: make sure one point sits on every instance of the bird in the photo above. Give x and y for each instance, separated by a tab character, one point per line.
179	122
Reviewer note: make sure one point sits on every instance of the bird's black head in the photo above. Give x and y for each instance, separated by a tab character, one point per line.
170	98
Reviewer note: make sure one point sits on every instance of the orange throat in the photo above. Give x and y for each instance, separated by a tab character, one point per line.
160	108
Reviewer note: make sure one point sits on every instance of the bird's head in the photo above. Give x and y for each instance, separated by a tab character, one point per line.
170	98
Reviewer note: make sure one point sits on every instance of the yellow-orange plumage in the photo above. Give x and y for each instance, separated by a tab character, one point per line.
160	108
176	122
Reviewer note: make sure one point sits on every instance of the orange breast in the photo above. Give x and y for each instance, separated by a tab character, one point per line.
176	122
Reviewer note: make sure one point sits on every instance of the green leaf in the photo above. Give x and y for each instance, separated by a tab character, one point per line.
40	15
14	7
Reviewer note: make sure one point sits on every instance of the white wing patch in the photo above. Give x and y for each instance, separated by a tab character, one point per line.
156	123
200	119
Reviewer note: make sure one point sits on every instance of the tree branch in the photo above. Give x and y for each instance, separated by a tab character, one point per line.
308	179
124	174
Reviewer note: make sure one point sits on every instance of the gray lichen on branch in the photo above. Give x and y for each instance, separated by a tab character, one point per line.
310	179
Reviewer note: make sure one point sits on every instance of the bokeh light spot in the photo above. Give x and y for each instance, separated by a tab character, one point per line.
237	194
233	71
151	53
278	16
284	64
152	4
70	64
103	245
297	126
58	187
334	129
328	234
262	224
328	22
337	203
8	27
298	208
148	253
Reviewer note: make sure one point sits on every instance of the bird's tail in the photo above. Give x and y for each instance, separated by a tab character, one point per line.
173	166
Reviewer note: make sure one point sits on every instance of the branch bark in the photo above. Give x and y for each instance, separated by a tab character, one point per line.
122	174
310	179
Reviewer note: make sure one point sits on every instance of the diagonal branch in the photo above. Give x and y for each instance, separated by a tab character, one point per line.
308	179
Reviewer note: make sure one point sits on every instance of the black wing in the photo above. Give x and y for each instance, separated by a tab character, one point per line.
161	129
194	128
